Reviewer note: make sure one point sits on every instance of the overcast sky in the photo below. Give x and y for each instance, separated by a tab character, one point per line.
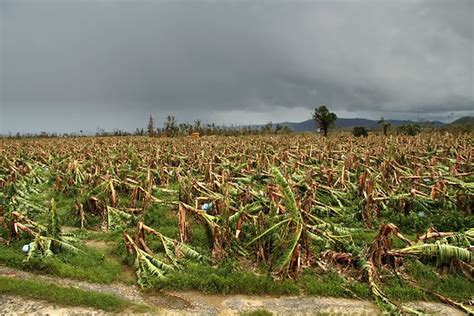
81	64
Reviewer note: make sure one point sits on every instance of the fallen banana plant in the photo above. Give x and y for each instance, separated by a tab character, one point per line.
443	253
296	202
46	240
380	253
151	266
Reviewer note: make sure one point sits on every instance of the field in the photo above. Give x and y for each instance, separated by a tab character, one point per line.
386	219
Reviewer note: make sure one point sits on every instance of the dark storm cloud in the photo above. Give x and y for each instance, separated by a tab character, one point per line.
70	65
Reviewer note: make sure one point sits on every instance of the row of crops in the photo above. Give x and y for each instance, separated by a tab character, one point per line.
287	203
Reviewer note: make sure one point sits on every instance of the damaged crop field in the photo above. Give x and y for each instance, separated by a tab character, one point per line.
383	219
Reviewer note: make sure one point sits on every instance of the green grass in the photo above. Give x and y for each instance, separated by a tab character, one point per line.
329	284
360	290
363	237
258	312
89	265
64	295
400	291
164	218
452	285
226	279
112	235
442	218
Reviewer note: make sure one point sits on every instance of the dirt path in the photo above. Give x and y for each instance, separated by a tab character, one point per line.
13	305
106	247
194	303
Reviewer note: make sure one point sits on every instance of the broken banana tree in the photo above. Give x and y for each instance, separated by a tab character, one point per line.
290	231
151	266
381	254
46	240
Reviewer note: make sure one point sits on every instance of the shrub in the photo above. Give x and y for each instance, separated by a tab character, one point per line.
360	131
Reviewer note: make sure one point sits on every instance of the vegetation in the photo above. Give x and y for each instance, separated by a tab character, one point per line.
359	131
259	312
67	296
90	265
375	218
385	125
324	118
410	129
151	126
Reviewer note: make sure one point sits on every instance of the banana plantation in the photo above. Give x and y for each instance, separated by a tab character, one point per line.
390	218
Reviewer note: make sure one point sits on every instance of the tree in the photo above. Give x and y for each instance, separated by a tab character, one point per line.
267	128
151	126
197	126
385	125
410	129
324	118
360	131
171	128
278	128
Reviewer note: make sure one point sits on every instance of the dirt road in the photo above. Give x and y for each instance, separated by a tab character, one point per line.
194	303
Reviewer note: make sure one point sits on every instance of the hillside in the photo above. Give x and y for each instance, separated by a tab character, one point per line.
466	120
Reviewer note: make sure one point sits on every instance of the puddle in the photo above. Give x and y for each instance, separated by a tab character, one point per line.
167	301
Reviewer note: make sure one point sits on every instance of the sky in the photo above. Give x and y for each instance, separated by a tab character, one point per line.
70	65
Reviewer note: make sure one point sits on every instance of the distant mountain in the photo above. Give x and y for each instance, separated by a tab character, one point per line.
466	120
349	123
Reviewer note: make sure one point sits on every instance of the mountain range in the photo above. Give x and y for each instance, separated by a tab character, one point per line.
349	123
466	120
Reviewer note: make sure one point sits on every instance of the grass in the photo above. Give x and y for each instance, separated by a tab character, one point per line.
67	296
112	235
164	218
90	265
258	312
329	284
226	279
398	290
419	220
452	285
360	290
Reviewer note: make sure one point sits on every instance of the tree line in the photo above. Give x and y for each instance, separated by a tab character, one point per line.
172	129
324	120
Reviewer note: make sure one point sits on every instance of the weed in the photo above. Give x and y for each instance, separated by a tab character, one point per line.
329	284
258	312
225	279
89	265
453	285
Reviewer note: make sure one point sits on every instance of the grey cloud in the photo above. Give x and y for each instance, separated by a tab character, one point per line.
78	64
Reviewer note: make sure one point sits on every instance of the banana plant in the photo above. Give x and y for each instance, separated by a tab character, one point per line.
46	241
151	266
